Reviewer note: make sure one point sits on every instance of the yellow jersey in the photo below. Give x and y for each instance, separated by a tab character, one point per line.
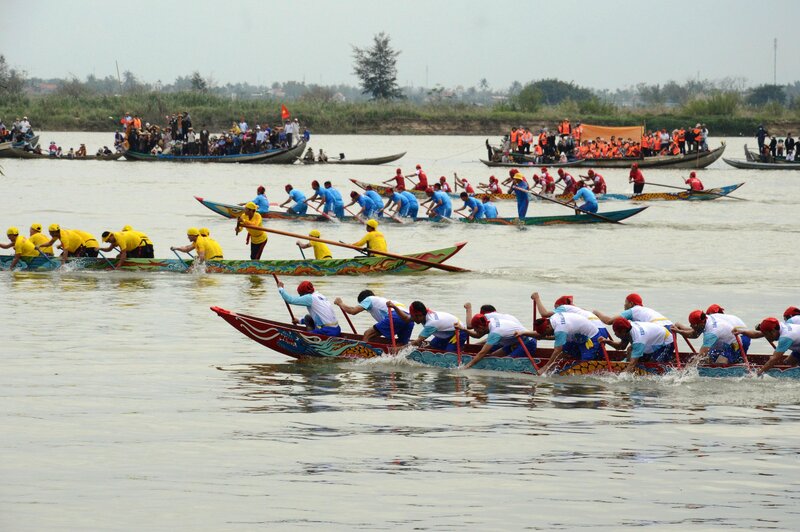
143	238
374	241
321	250
87	239
25	248
256	237
72	239
127	241
212	249
38	239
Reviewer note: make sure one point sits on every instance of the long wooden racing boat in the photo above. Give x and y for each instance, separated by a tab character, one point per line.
710	194
24	154
757	165
360	265
528	163
296	342
277	156
688	160
233	211
367	161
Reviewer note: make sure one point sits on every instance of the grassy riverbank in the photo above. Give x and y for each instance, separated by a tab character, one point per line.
102	113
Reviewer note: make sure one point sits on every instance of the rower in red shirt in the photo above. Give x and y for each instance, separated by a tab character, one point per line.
399	179
422	184
463	183
598	183
693	182
570	185
444	184
637	178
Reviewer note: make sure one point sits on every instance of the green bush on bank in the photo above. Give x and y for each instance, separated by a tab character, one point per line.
725	114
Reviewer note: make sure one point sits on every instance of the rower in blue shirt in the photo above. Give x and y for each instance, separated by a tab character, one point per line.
489	208
336	201
440	202
587	196
368	207
321	196
299	199
410	206
475	207
376	199
261	201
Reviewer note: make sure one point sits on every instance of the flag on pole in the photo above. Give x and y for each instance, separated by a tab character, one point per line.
285	115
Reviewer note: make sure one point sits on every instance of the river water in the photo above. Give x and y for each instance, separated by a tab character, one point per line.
127	404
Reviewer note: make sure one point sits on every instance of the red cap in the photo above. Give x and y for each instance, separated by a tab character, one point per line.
389	190
315	184
621	326
563	300
261	189
696	317
591	173
634	165
398	171
492	178
768	325
541	325
288	188
544	168
513	172
305	288
693	174
479	320
714	309
560	171
442	179
636	299
419	167
791	311
429	190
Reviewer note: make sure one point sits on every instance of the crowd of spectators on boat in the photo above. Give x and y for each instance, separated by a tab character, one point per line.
772	148
566	142
20	131
178	137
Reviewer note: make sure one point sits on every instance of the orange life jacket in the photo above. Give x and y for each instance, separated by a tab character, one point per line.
543	139
563	128
514	136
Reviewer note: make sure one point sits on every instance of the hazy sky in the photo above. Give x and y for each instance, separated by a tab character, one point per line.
604	44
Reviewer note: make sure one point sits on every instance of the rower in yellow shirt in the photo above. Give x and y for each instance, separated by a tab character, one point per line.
74	242
257	239
206	248
212	249
146	250
321	249
374	239
23	248
129	243
38	238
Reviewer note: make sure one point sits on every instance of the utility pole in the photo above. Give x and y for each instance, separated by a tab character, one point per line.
775	62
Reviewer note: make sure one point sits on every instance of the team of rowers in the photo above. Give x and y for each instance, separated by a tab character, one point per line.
136	244
645	334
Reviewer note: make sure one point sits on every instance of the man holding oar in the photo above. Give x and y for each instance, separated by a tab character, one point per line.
378	307
635	311
649	342
206	248
476	211
504	333
374	239
129	244
574	335
74	242
368	208
585	195
720	342
300	206
376	199
422	179
439	326
321	250
637	178
257	239
597	181
39	239
321	317
440	204
695	185
787	336
521	191
401	200
565	304
23	248
399	179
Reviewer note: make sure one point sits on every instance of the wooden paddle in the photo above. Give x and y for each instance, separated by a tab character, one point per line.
528	354
326	215
690	191
113	267
575	207
291	314
391	329
605	354
744	354
677	351
175	251
445	267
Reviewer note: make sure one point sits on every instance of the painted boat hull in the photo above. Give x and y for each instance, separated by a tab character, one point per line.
368	161
650	196
233	211
361	265
283	156
298	343
23	154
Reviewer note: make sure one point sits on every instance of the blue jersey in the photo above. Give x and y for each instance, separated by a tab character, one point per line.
262	204
586	195
411	198
376	198
399	199
366	202
335	196
297	196
473	204
489	210
441	198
